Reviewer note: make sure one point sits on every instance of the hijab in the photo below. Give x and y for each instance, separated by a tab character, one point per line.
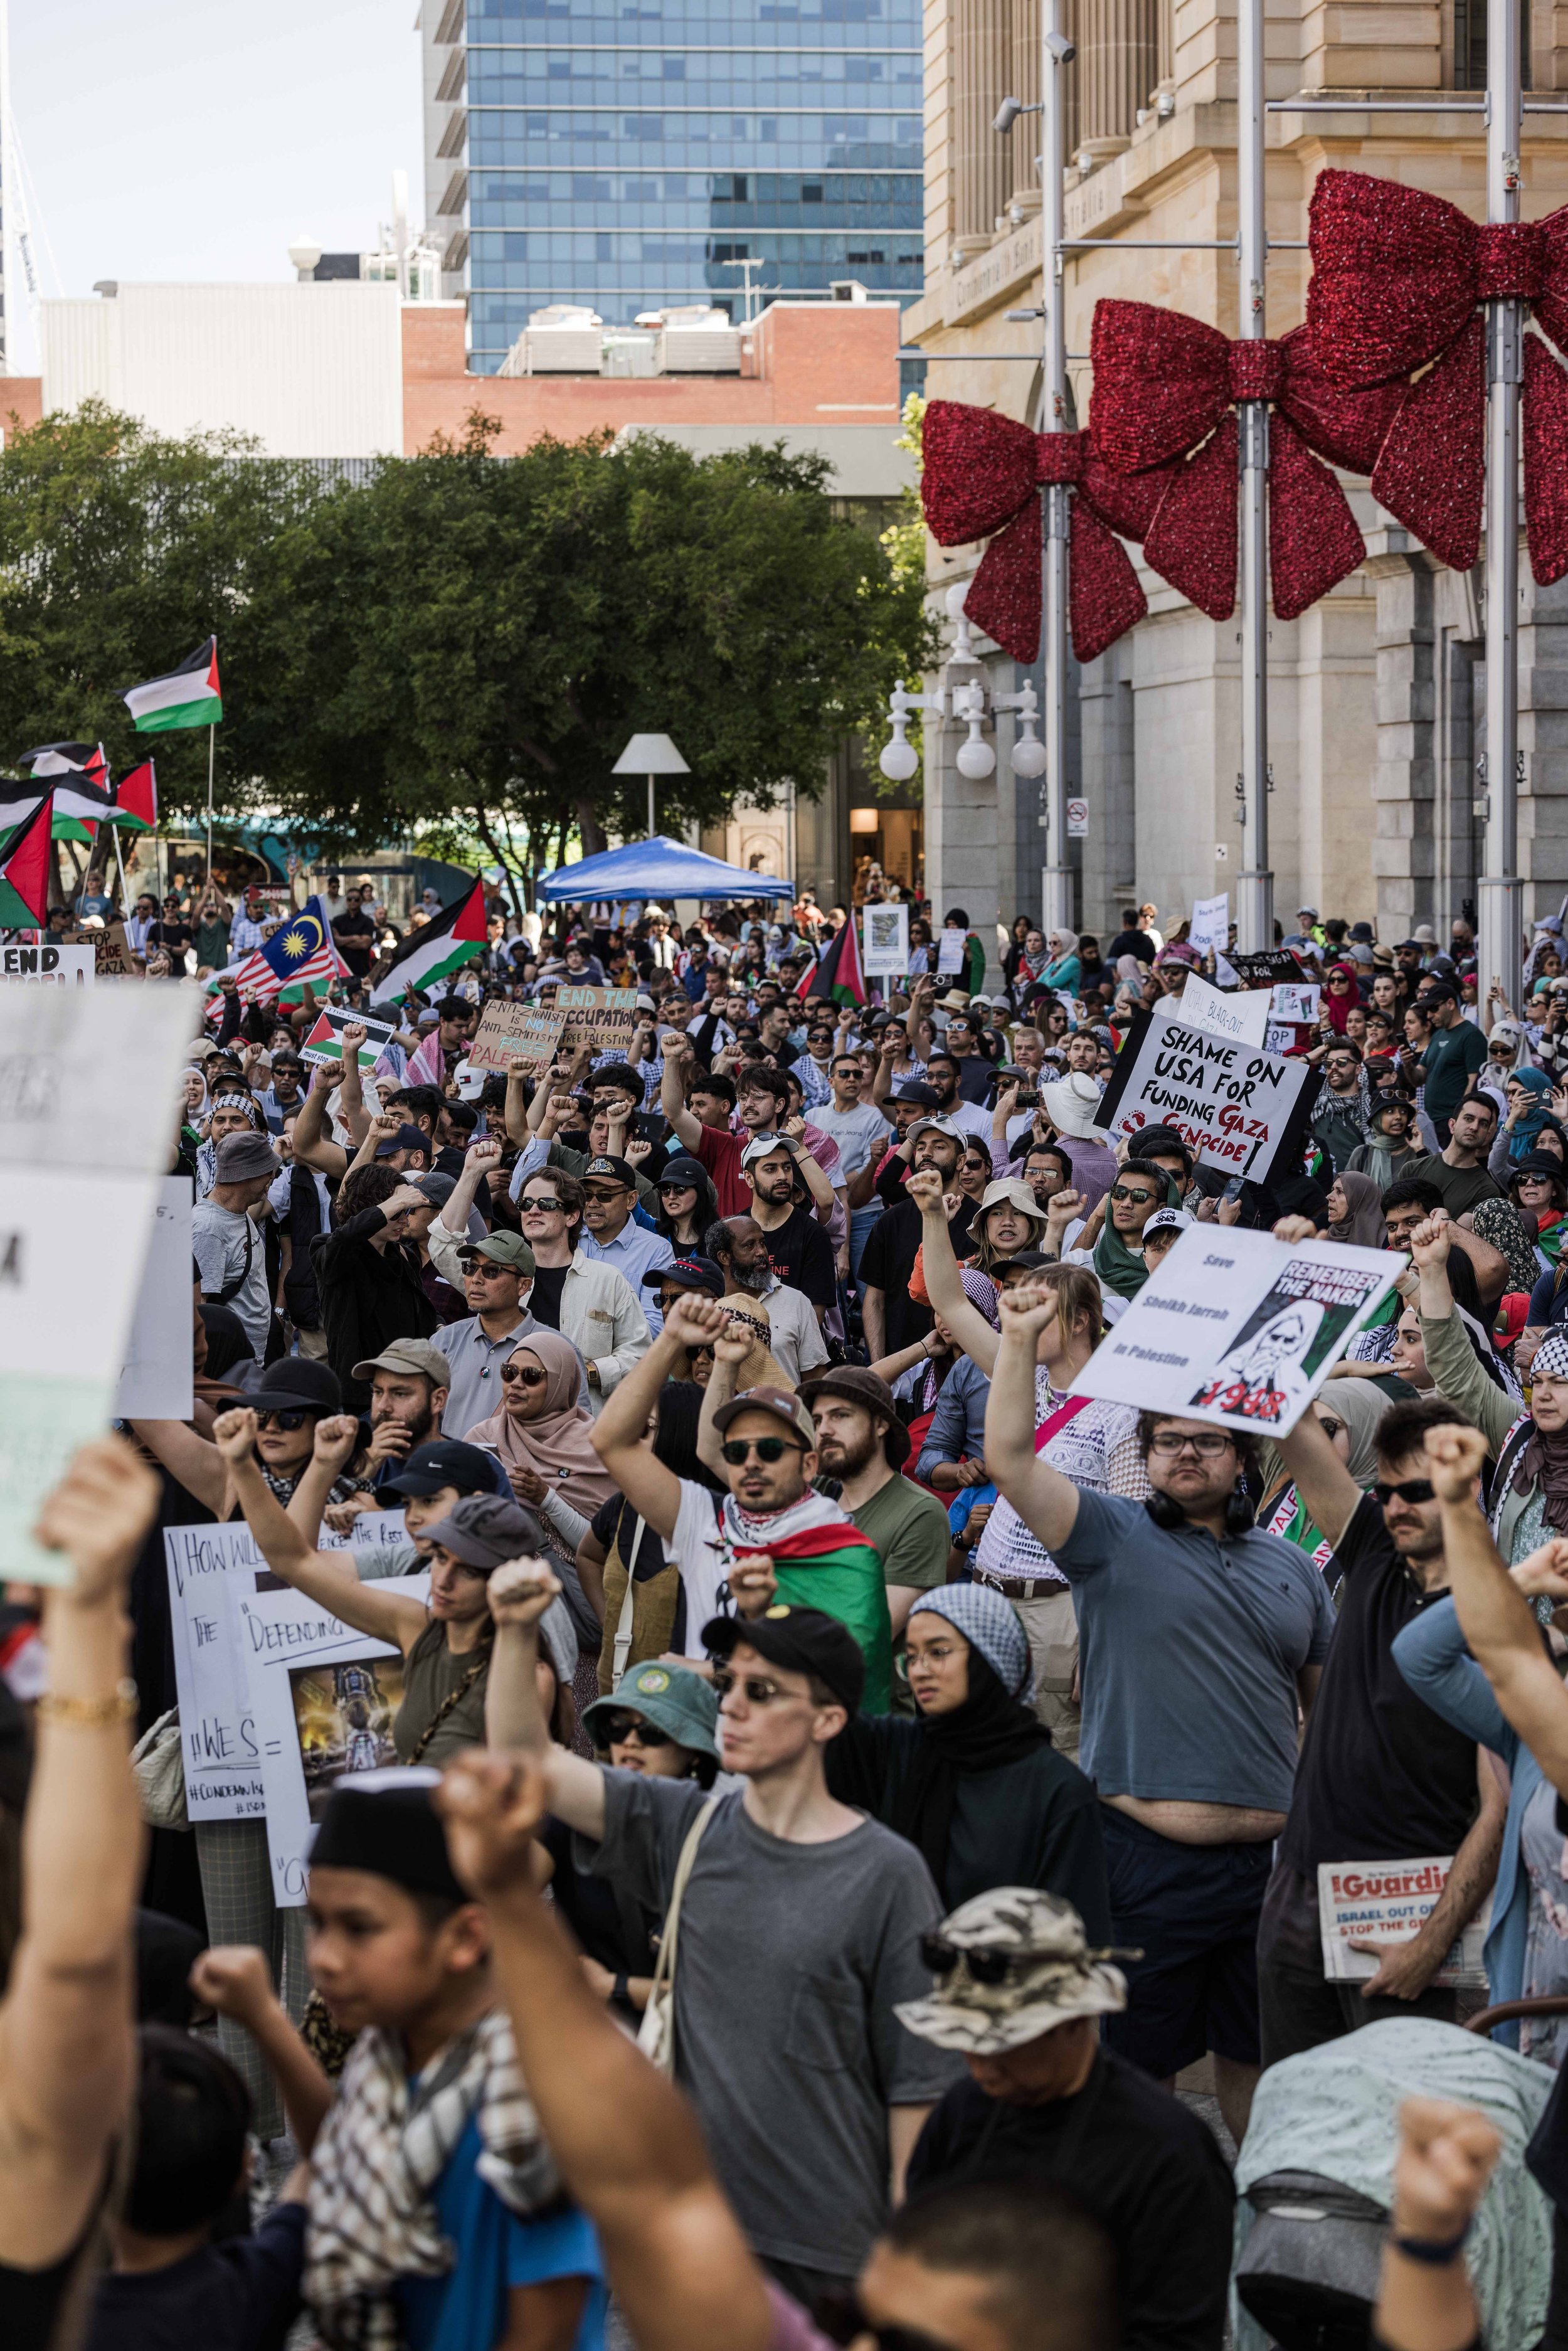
559	1439
1534	1116
1339	1007
1500	1224
990	1730
1361	1404
1364	1227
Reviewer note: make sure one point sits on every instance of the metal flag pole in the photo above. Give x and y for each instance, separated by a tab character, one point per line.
120	861
1056	53
1500	892
212	746
1255	884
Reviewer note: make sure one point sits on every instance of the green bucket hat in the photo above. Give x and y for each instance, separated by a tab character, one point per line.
674	1700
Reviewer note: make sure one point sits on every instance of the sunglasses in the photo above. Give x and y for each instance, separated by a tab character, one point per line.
1124	1192
285	1419
1410	1489
737	1449
983	1966
758	1689
620	1728
535	1205
531	1374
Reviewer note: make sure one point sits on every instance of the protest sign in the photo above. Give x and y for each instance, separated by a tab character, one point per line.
885	954
50	966
211	1569
1211	924
1240	1329
1286	1037
321	1702
950	957
1389	1902
1243	1017
325	1042
1267	969
157	1381
597	1020
1235	1106
112	956
88	1097
1295	1000
528	1033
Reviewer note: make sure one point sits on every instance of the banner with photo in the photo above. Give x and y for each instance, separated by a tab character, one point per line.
885	941
1240	1329
1235	1106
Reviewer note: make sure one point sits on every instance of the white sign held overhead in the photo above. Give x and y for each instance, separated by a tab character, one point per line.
1242	1017
50	966
1235	1106
157	1380
950	947
885	944
1211	924
1237	1328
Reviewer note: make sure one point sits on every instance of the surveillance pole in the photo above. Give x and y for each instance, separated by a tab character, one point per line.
1056	53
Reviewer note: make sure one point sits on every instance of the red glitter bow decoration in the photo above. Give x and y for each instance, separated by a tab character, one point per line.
1165	386
982	479
1397	275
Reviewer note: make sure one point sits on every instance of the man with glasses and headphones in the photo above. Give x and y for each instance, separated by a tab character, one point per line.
1382	1777
800	1922
1202	1640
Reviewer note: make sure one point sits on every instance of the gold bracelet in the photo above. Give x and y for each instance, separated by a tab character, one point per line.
90	1713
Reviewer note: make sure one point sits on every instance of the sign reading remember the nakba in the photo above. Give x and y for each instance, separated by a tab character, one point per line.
1235	1106
527	1033
88	1095
1238	1328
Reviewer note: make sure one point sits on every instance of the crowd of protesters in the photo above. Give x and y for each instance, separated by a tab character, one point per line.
851	1870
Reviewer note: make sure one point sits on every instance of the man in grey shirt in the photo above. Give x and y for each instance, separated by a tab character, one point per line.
798	1932
228	1249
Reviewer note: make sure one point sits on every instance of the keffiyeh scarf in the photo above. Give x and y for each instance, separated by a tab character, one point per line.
384	2145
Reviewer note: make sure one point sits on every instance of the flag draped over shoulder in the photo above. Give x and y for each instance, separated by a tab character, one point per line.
189	695
821	1559
428	954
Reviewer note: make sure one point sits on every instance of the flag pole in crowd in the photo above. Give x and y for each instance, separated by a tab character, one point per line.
190	695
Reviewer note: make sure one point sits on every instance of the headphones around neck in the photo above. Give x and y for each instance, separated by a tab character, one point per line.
1239	1513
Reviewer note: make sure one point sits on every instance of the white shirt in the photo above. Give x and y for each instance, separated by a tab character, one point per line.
796	1342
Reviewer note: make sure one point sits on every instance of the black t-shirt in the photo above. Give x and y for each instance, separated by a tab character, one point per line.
544	1298
1132	943
801	1254
240	2295
1148	2170
175	935
974	1075
888	1261
1382	1777
356	935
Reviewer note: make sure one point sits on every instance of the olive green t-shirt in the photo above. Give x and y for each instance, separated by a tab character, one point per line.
429	1676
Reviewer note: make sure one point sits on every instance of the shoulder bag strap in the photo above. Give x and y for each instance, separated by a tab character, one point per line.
232	1289
664	1972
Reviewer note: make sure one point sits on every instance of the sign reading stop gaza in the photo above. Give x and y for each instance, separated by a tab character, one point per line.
1235	1106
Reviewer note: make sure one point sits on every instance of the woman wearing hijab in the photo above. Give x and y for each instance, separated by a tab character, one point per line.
1500	1225
541	1438
1355	1211
1349	1411
1528	1092
1341	994
974	1781
1389	1152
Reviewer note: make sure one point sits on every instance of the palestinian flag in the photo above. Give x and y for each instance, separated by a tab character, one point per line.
837	973
78	809
835	1568
27	872
136	799
427	955
79	775
189	696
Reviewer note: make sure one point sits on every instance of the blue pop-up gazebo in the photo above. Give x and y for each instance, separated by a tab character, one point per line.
659	867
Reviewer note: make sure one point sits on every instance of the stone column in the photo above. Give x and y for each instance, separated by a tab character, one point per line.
1110	847
1118	64
981	60
1405	779
1543	741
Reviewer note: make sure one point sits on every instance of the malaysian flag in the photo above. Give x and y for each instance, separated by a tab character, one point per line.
300	952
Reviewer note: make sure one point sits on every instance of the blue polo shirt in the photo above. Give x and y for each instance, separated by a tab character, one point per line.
1191	1651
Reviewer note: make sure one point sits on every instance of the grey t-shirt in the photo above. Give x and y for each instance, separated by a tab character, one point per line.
230	1248
860	1133
1191	1651
790	1961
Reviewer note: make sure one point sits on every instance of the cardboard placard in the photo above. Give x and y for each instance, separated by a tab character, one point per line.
325	1042
598	1019
323	1697
885	949
112	955
1242	1017
157	1381
1235	1106
1389	1902
50	965
528	1033
211	1569
1240	1329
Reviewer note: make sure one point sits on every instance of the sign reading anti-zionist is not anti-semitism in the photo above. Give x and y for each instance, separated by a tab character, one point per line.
1235	1106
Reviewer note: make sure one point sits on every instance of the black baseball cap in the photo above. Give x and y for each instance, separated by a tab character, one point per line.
927	1097
448	1462
690	1273
801	1640
618	1170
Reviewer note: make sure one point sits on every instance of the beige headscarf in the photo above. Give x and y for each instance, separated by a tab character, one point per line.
559	1438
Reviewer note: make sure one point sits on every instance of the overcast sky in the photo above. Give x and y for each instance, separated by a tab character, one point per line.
172	141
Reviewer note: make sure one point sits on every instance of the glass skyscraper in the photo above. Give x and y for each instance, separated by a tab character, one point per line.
624	156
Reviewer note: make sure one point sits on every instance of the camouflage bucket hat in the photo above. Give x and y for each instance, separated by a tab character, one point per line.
1045	1974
